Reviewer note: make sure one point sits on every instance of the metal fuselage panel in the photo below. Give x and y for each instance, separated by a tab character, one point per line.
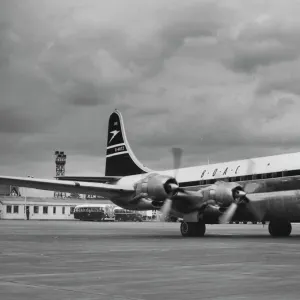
273	205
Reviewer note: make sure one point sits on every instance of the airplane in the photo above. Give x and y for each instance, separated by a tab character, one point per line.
262	188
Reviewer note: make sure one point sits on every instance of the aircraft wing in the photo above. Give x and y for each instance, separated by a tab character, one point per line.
103	179
102	189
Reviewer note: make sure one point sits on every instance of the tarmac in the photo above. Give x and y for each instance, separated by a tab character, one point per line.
90	260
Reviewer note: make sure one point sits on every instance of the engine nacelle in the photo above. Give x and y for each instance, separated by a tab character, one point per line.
211	214
156	187
222	192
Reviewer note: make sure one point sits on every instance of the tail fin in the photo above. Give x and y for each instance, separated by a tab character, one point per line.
120	160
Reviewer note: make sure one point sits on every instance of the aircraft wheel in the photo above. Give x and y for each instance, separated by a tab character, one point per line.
187	229
192	229
280	228
200	228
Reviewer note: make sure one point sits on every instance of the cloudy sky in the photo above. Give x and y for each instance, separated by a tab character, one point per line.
218	78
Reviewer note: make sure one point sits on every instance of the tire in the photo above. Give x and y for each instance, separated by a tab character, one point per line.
189	229
280	228
200	229
186	229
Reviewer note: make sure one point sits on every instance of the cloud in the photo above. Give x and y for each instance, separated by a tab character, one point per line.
282	78
218	79
262	43
85	94
12	121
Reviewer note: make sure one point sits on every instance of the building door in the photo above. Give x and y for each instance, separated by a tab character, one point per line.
27	212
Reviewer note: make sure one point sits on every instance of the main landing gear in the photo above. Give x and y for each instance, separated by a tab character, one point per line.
280	228
192	228
277	228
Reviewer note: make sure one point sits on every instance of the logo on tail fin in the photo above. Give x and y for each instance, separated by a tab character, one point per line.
114	133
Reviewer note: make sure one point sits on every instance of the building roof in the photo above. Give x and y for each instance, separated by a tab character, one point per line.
50	201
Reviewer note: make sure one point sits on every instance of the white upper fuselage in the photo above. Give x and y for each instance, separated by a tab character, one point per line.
238	168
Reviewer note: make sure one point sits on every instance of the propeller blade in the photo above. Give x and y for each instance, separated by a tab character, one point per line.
254	207
228	214
177	154
166	208
184	191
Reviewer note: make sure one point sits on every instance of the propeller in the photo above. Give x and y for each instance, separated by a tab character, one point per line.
253	207
229	213
166	208
240	197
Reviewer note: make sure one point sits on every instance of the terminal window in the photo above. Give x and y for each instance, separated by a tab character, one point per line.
35	209
45	209
54	210
8	209
16	209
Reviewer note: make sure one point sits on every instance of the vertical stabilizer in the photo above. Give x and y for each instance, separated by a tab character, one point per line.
120	160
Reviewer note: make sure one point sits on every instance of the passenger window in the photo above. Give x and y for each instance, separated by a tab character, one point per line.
54	210
72	210
45	210
16	209
35	209
8	209
63	210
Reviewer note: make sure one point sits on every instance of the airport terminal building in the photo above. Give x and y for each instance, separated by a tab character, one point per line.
36	208
13	206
